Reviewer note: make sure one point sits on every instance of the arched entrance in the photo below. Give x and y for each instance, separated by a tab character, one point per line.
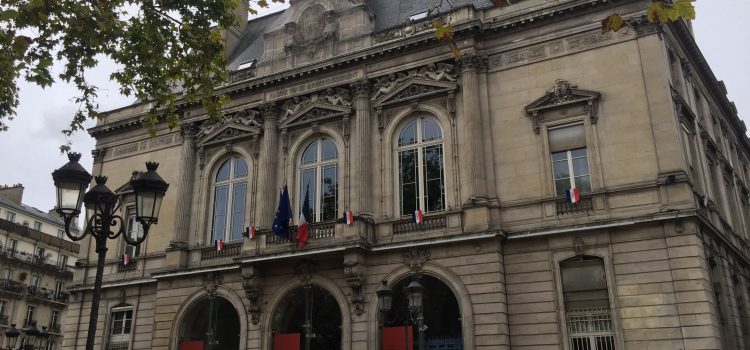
211	323
442	316
307	318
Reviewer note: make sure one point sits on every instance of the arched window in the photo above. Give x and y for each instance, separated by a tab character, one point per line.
319	179
230	191
421	183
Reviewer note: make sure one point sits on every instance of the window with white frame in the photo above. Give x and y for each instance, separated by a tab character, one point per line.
10	216
37	225
570	164
230	190
688	144
54	321
8	274
319	174
587	312
29	315
3	307
60	233
120	328
62	261
59	288
35	281
12	244
419	151
134	230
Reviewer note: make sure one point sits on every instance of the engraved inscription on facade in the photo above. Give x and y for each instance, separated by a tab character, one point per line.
525	54
314	85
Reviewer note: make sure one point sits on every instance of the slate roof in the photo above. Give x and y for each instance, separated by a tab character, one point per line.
388	14
34	212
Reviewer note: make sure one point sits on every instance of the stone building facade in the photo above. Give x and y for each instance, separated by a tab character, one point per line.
36	265
355	106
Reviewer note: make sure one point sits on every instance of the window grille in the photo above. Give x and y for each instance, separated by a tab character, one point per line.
590	329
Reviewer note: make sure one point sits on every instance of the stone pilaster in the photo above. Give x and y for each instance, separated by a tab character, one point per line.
361	171
185	189
474	189
266	195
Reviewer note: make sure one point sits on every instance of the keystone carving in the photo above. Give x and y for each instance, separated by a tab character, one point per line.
305	269
415	258
212	281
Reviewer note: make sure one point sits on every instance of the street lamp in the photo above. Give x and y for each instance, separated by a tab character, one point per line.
102	205
32	336
12	334
415	296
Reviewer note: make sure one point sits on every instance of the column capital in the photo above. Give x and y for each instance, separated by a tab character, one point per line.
270	111
473	62
361	88
98	155
188	130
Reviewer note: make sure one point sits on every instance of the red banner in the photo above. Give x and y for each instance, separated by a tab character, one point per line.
286	341
191	345
395	339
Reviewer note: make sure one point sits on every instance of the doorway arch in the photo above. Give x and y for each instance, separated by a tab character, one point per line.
307	317
211	322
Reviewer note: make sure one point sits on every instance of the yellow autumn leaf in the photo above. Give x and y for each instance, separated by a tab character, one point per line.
442	31
660	12
685	8
613	23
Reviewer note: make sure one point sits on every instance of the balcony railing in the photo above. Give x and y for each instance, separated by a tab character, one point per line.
430	223
54	328
316	231
130	267
36	260
564	207
38	236
12	286
229	249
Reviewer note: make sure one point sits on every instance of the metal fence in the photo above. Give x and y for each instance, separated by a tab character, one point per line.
590	329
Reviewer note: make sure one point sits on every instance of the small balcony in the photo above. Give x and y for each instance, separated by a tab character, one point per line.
130	267
12	286
229	250
316	231
55	328
45	294
564	207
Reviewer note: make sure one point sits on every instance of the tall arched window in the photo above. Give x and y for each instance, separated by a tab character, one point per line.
230	191
421	183
587	311
318	176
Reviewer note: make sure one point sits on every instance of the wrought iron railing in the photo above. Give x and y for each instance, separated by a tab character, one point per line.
55	328
46	294
444	343
130	267
585	205
430	223
228	250
590	328
12	286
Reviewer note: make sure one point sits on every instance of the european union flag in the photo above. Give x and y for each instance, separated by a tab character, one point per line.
283	215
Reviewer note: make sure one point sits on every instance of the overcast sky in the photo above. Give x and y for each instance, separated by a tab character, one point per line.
29	149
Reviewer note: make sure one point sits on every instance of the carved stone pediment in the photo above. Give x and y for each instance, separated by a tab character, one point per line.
564	95
410	89
240	125
315	108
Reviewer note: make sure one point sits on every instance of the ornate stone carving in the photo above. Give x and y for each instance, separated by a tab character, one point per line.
245	117
332	96
314	30
563	94
98	155
438	72
212	281
304	269
355	279
361	88
252	285
415	258
442	75
578	246
387	84
473	62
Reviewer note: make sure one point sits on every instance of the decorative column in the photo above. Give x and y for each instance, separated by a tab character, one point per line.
361	172
471	129
267	193
185	189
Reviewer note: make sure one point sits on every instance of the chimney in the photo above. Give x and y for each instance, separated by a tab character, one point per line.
13	193
233	35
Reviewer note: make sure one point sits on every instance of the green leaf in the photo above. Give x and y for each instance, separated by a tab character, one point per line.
8	15
21	44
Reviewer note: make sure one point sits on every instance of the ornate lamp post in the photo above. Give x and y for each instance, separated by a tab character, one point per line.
43	339
12	334
32	336
102	205
415	296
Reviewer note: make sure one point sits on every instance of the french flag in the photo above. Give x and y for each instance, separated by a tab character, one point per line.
249	232
573	195
303	233
417	217
349	217
125	260
219	245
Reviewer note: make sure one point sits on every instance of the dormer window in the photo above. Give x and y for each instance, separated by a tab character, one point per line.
419	16
246	65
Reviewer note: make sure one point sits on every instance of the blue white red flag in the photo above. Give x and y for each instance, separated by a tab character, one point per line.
252	232
219	245
417	217
303	233
349	217
573	195
125	260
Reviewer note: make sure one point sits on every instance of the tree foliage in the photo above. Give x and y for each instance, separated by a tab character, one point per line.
165	50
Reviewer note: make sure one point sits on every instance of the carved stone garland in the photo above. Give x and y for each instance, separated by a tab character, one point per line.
355	279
